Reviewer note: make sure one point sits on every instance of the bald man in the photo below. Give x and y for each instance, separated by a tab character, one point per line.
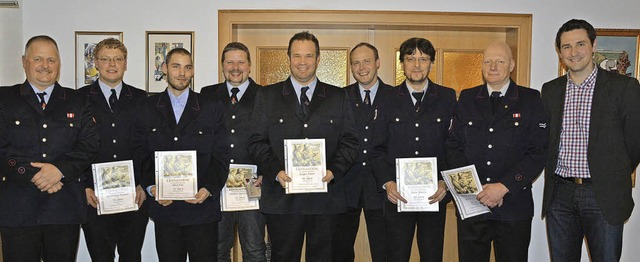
500	127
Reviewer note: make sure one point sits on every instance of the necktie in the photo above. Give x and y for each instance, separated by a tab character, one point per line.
234	95
113	100
43	102
367	98
418	97
304	101
496	99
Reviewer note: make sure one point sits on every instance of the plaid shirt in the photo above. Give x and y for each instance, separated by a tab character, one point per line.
574	137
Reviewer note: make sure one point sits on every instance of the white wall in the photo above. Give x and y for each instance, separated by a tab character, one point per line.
60	19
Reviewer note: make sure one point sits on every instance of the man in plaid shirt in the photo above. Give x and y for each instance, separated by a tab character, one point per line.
593	147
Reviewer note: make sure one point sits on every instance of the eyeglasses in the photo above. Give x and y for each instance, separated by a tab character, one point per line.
106	60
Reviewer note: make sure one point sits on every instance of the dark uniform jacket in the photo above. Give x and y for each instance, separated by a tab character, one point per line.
401	132
201	128
614	140
237	118
359	181
115	128
508	147
275	119
64	135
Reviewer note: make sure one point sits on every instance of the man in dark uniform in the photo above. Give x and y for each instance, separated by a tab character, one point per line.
414	124
113	104
175	120
499	127
323	111
47	139
237	94
366	98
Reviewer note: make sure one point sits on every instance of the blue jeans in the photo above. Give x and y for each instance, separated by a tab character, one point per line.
250	230
573	215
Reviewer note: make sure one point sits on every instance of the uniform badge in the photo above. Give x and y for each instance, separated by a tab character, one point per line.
71	115
516	115
542	125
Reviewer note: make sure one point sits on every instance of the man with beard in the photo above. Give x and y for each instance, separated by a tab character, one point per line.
237	93
175	120
366	98
47	139
114	104
297	108
414	124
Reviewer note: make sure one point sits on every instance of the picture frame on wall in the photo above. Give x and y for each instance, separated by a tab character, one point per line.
86	41
616	50
158	44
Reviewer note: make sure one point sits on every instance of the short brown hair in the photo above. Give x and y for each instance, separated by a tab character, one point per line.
110	43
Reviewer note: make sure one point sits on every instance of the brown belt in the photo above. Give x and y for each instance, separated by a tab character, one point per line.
575	180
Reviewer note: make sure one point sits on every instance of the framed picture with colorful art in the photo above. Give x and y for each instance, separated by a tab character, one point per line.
159	43
86	41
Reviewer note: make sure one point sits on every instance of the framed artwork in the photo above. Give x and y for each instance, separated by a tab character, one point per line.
159	43
86	72
616	50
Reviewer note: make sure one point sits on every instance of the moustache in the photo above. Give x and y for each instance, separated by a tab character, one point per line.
44	70
235	71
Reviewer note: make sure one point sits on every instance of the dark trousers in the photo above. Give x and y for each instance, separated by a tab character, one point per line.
250	231
347	226
400	228
174	242
510	239
125	230
287	233
573	214
51	243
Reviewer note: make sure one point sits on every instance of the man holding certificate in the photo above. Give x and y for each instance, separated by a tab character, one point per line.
500	127
114	104
302	107
414	125
184	134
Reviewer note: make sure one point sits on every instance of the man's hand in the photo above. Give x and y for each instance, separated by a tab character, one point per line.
141	196
92	199
258	182
47	178
392	193
328	177
161	202
492	194
55	188
283	178
202	195
440	193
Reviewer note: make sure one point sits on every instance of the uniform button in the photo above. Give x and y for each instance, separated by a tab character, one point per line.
114	141
70	124
115	156
470	123
233	131
44	140
113	124
175	138
417	125
438	120
44	155
199	132
17	124
366	127
231	145
231	160
488	179
364	163
366	139
417	138
44	126
331	121
516	124
488	163
491	129
305	125
364	151
233	117
417	153
4	179
490	146
397	119
281	120
153	130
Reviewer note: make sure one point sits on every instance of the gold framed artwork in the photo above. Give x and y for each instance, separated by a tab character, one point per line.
616	50
86	41
273	65
158	44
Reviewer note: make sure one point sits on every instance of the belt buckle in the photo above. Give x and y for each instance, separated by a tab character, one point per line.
578	180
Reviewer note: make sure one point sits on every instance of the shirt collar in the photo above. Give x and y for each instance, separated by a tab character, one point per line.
180	101
588	81
106	89
48	90
424	90
242	87
298	88
373	89
503	90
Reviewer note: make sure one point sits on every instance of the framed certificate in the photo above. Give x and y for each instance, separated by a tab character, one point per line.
306	164
234	195
464	185
417	180
176	175
115	187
